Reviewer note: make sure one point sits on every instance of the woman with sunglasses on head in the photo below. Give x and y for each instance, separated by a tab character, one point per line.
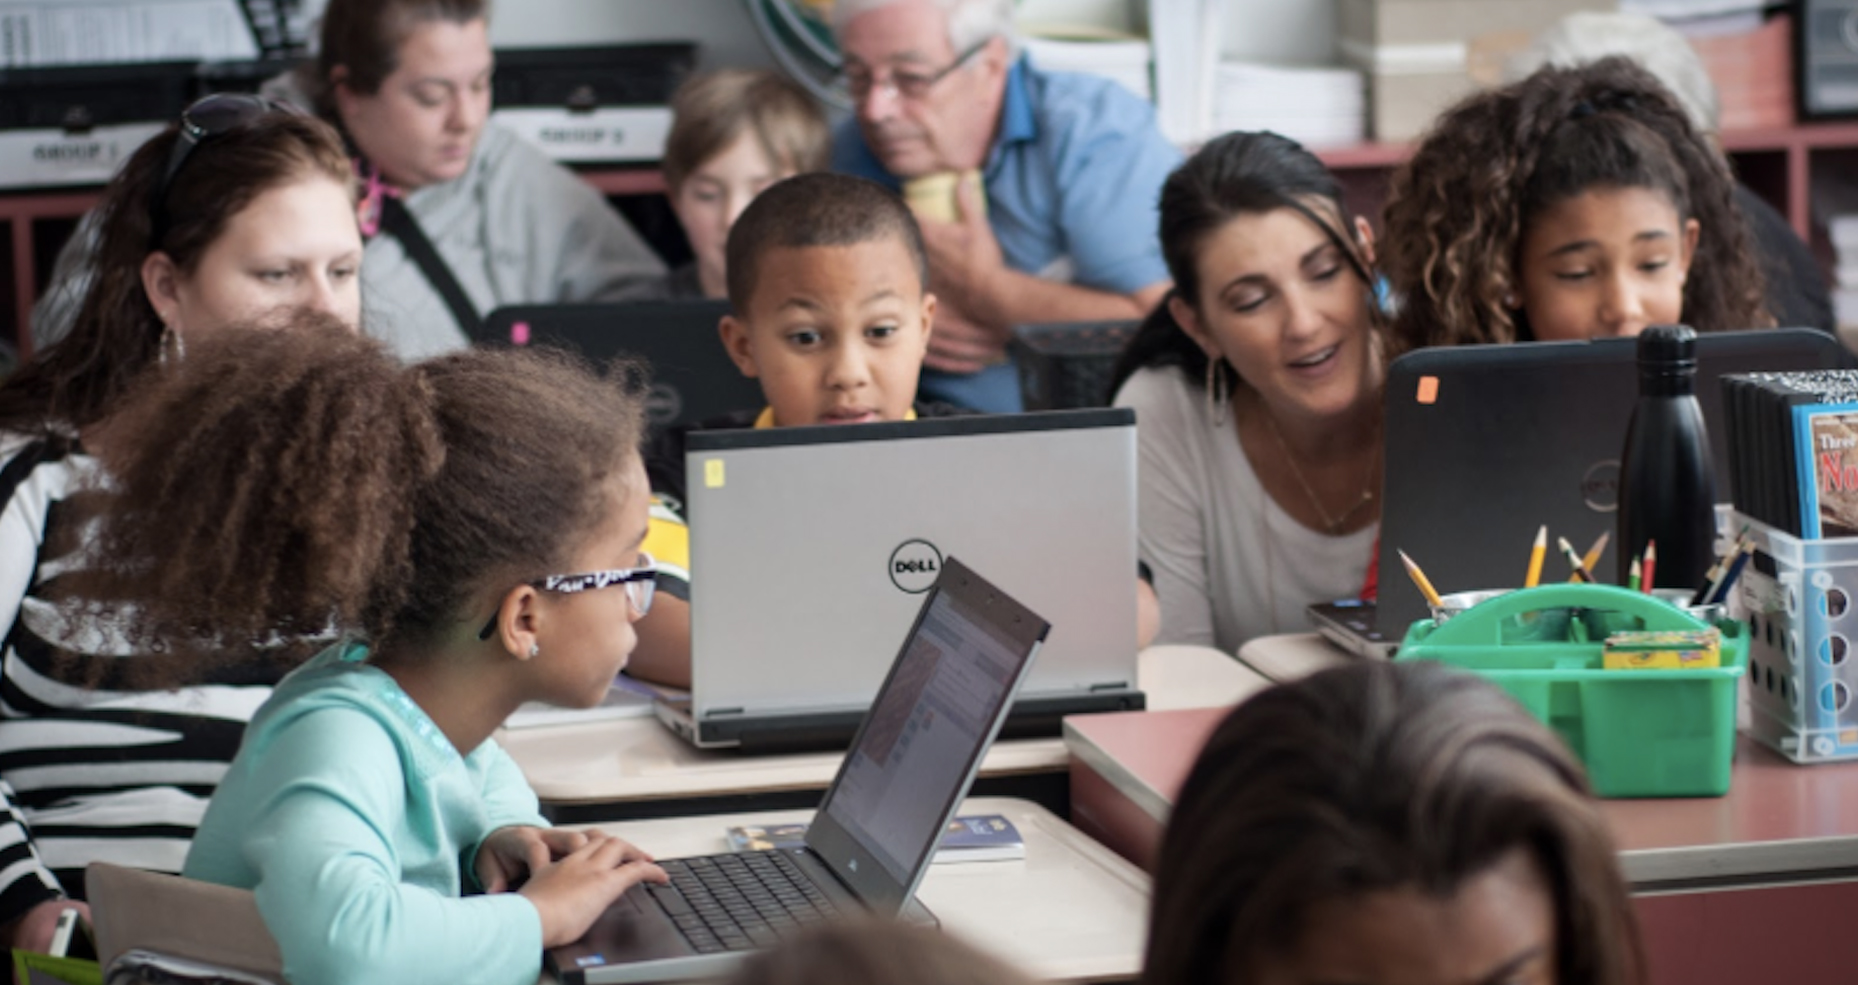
239	215
1257	383
332	490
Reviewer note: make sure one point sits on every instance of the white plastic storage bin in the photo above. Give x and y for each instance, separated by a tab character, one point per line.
1802	611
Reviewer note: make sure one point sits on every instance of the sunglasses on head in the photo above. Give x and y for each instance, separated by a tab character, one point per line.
206	118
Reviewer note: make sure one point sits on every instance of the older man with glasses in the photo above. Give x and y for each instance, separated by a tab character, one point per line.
1053	217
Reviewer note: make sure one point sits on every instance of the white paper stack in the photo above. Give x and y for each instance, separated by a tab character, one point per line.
1187	36
37	33
1843	231
1317	106
1123	61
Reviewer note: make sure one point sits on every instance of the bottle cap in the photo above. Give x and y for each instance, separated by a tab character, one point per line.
1667	360
1664	344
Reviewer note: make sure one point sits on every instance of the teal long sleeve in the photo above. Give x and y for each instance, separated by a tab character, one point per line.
355	826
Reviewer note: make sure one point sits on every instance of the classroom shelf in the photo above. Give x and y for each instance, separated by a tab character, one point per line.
29	248
1776	162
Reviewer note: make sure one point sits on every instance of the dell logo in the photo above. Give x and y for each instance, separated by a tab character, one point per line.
914	566
1600	486
663	404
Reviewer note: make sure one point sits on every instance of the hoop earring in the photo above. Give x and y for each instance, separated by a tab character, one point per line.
1216	395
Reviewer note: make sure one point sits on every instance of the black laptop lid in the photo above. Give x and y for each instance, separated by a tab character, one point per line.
920	746
692	376
1516	436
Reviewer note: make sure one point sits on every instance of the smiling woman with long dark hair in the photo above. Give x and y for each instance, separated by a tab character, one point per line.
1257	384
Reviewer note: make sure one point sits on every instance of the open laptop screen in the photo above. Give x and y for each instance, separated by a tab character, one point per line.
923	739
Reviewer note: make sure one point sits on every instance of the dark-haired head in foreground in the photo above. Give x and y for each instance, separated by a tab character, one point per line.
1383	823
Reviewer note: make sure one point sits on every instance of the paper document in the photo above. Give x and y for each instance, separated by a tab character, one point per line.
42	33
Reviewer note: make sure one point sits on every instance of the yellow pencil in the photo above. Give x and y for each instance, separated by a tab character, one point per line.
1591	559
1536	553
1574	561
1419	580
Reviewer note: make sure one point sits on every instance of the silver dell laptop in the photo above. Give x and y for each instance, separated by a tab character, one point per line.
912	762
808	545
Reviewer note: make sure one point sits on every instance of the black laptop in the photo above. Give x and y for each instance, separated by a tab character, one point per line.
692	376
912	762
1487	443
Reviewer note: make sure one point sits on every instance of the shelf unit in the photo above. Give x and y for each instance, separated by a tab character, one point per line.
31	235
1777	163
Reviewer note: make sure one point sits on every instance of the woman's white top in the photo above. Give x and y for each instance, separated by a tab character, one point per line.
1229	563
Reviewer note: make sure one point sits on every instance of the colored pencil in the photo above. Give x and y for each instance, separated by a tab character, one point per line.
1713	576
1632	580
1420	581
1536	554
1574	561
1651	564
1735	571
1591	559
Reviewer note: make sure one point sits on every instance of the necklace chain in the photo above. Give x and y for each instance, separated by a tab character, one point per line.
1331	524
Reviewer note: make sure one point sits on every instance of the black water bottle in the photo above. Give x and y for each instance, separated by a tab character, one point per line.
1667	489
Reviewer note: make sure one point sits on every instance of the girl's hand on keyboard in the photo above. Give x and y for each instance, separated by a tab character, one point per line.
512	854
570	894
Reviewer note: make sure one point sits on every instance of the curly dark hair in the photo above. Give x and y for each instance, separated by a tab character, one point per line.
1457	210
1234	175
1373	777
76	381
284	485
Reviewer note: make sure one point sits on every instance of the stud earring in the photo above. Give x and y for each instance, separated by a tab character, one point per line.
535	649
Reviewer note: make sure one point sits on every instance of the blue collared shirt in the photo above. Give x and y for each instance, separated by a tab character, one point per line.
1072	180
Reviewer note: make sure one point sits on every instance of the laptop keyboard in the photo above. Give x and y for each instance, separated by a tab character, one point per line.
738	902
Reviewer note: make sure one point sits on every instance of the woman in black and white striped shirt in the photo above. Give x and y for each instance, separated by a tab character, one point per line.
241	211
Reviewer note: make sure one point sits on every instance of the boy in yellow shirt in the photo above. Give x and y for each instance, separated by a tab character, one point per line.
828	282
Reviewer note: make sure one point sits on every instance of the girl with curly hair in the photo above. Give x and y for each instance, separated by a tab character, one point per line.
455	538
1389	822
1258	384
1579	202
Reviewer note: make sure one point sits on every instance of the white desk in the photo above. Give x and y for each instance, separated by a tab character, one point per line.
1071	910
1289	656
637	759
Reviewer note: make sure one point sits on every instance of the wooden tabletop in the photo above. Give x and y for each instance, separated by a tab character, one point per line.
1071	910
637	759
1780	822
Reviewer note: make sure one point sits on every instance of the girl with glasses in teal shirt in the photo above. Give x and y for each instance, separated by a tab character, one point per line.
320	495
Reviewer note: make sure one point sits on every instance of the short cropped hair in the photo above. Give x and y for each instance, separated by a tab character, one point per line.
820	209
713	110
1589	36
970	22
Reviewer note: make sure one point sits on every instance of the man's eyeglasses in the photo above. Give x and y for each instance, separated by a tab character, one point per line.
206	118
905	85
638	582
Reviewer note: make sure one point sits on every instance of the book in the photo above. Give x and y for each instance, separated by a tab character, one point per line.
981	838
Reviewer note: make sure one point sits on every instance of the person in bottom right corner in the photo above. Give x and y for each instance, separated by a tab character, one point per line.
1384	823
